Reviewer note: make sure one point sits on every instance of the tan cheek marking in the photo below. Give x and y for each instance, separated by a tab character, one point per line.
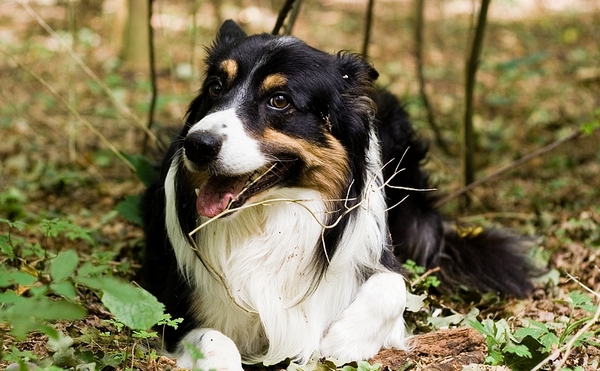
273	82
230	67
326	168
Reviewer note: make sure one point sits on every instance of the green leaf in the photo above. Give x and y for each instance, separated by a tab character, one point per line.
494	358
6	247
145	170
582	301
50	310
61	343
530	331
588	128
549	340
65	289
54	227
129	208
518	349
18	225
526	363
14	277
30	314
10	297
138	310
91	269
64	265
131	305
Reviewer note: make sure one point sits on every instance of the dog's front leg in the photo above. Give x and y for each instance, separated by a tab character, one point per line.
218	351
372	321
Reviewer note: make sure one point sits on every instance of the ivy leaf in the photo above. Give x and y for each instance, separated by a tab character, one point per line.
518	350
582	301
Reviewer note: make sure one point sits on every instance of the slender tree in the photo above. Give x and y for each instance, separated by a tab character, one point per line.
368	26
289	11
153	82
136	42
419	27
471	71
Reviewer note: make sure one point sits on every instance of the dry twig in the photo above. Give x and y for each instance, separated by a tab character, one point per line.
301	203
72	110
513	165
112	97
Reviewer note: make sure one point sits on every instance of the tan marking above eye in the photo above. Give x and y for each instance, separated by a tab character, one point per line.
230	67
273	82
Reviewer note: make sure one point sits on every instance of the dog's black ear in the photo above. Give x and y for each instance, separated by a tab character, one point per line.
229	32
355	69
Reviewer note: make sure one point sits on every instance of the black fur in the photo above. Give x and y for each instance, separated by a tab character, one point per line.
490	261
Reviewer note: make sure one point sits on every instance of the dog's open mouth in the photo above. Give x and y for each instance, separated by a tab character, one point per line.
220	193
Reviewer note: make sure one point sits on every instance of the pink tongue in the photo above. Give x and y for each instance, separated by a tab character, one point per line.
217	193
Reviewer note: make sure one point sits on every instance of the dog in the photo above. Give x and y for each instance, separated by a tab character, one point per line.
286	205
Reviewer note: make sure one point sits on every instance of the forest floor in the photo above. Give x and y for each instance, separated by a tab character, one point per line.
539	81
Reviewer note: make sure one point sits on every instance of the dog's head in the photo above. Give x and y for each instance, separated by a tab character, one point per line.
274	112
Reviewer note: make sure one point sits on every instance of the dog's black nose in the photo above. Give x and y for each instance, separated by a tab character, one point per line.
202	147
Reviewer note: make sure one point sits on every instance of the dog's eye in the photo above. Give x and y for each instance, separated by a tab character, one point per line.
279	101
215	89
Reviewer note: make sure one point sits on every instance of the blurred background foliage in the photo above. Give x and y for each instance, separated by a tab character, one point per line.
76	92
538	79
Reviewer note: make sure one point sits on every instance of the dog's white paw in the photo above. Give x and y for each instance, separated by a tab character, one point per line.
347	346
219	352
372	321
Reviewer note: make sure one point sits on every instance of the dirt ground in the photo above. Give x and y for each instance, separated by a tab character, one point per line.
539	80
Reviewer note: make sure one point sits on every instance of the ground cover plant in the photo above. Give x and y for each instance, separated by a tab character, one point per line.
73	164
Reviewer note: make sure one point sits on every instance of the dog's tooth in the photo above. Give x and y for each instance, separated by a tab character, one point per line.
197	190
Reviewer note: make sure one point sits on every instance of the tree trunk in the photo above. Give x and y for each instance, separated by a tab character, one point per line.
136	41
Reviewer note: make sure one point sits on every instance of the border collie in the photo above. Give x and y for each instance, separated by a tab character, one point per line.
287	203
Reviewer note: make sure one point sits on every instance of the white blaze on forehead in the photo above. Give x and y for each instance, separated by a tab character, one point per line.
239	153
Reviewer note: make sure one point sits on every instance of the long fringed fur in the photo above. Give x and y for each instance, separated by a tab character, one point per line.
491	260
270	281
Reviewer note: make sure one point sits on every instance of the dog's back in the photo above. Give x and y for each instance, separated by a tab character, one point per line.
480	259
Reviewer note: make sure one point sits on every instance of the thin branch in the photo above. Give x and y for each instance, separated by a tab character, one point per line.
153	82
424	276
419	26
72	110
300	202
368	26
283	14
126	111
287	28
509	167
471	71
568	347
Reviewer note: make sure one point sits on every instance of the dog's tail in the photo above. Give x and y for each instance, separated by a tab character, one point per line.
484	260
480	259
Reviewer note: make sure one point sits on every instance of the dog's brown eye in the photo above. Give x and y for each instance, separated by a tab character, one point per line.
215	89
279	101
